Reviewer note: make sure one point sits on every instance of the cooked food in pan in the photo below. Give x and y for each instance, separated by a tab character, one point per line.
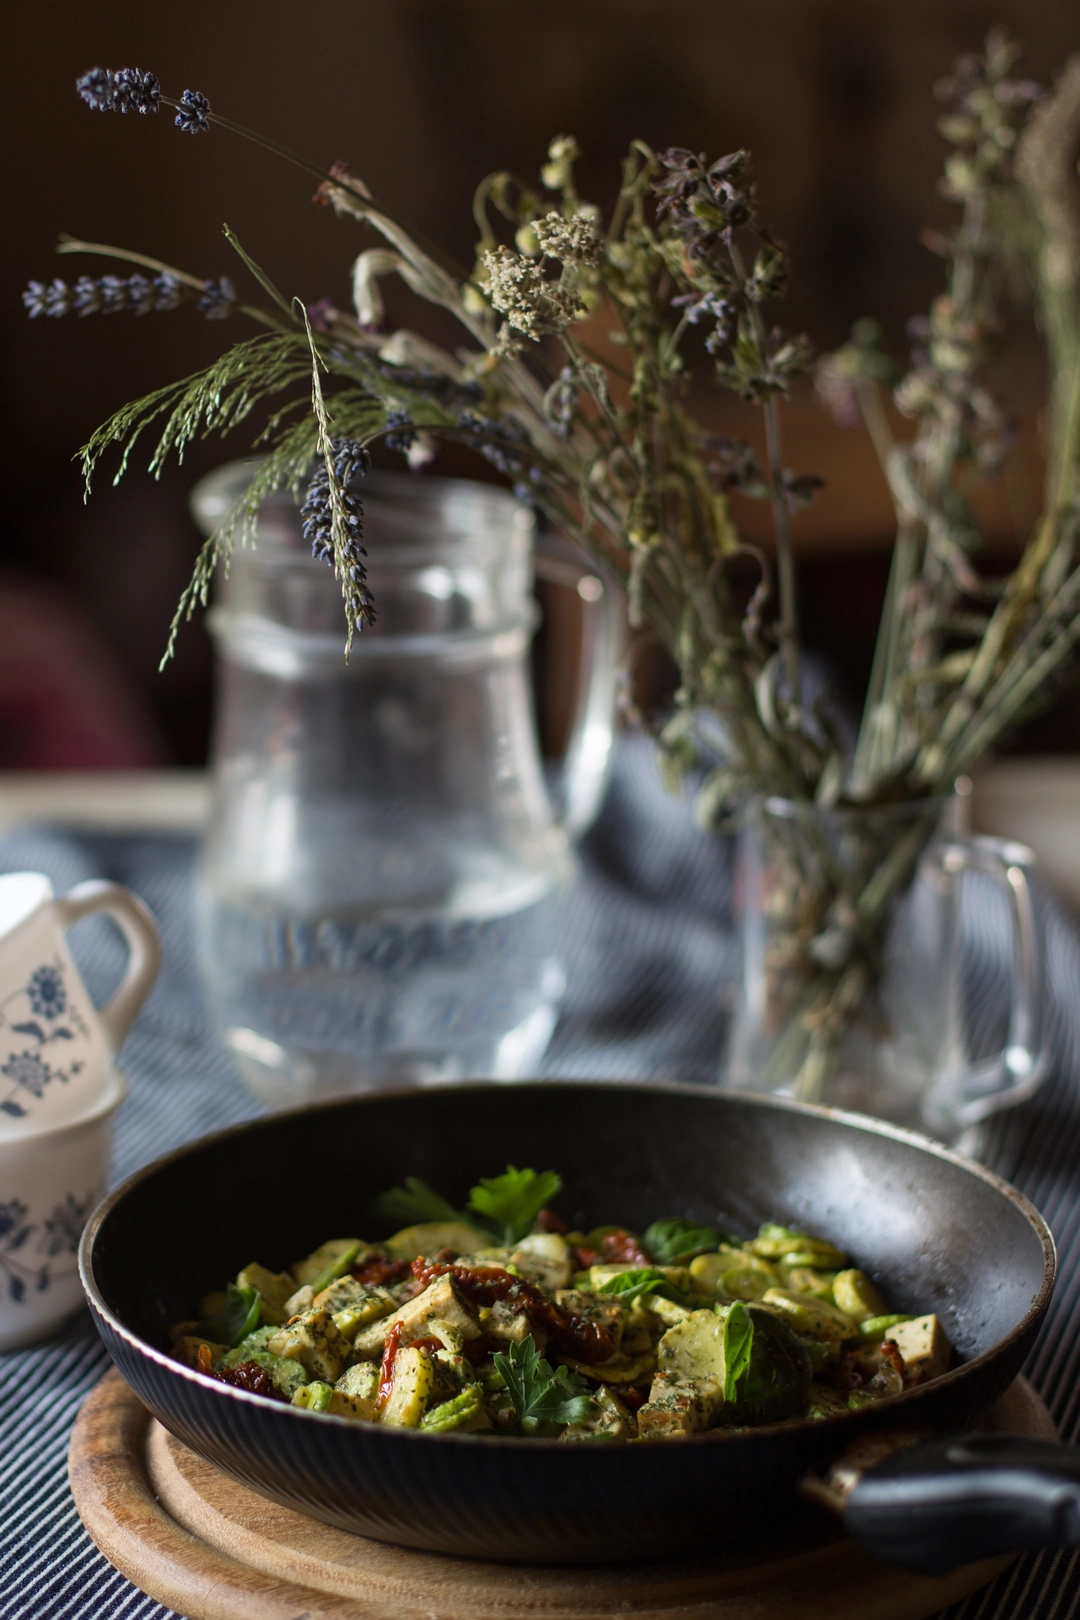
498	1319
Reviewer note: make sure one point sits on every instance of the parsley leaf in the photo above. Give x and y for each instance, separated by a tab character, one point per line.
511	1202
673	1242
738	1344
412	1204
631	1285
541	1396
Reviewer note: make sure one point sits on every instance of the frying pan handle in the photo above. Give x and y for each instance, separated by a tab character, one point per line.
959	1498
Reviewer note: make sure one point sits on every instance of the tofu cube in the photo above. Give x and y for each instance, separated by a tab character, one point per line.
441	1303
678	1407
924	1347
356	1393
361	1381
354	1306
545	1258
314	1340
512	1327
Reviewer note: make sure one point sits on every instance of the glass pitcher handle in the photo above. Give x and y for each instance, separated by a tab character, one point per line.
1017	1071
588	752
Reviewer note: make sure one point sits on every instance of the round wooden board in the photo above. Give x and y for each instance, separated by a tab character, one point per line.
213	1550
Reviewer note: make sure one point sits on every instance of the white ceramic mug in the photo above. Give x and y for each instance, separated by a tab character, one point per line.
57	1050
50	1180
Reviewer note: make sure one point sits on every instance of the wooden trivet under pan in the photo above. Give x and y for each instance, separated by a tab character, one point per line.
211	1549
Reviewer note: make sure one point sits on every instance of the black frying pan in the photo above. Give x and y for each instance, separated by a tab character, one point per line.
935	1231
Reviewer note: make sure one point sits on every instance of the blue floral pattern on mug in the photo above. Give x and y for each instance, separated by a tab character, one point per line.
33	1254
48	998
30	1070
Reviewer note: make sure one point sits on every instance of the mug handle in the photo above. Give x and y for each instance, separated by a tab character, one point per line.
136	922
588	753
1016	1072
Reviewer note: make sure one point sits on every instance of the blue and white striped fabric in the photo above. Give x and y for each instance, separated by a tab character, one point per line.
647	944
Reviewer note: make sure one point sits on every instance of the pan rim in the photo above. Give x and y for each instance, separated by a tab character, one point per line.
372	1433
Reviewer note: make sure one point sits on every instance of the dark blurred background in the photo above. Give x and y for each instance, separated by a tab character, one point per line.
423	97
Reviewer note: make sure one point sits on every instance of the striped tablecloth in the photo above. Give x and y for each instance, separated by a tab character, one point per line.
647	944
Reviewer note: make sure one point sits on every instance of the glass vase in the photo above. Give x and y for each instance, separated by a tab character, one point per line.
853	989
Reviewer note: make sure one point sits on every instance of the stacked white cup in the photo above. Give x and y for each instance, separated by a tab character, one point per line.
59	1089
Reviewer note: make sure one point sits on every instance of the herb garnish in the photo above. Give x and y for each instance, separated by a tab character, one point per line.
543	1397
511	1202
672	1242
738	1345
506	1205
414	1203
632	1285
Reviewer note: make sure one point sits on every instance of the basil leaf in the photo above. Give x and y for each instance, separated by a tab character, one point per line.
511	1202
540	1395
776	1382
412	1204
738	1347
674	1242
237	1318
631	1285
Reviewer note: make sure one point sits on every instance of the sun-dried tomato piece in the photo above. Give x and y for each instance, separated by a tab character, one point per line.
632	1398
548	1221
429	1342
622	1248
386	1371
380	1273
250	1376
582	1339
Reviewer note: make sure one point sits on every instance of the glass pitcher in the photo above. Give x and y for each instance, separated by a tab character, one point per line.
380	883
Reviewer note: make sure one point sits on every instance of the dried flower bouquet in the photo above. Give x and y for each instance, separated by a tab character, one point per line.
609	451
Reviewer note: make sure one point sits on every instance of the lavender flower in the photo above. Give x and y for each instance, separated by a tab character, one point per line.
135	294
127	90
136	91
400	432
113	291
351	462
191	114
435	385
505	443
53	299
98	90
168	291
218	300
140	295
